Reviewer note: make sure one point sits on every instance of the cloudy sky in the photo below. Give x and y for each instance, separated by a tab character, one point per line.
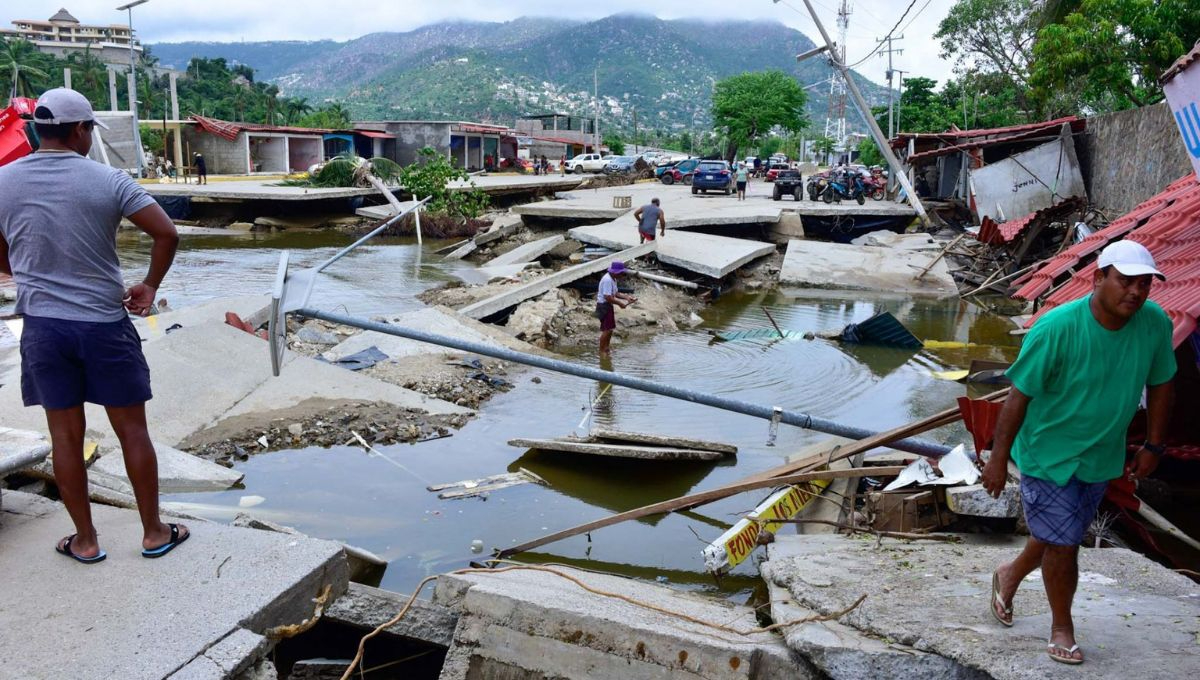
253	20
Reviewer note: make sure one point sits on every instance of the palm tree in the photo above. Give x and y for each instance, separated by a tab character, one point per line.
89	75
294	108
18	58
339	116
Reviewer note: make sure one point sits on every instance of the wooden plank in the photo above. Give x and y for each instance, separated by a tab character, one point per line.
583	446
797	469
699	499
664	440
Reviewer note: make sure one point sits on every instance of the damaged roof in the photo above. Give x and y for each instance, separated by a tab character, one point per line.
1169	226
958	136
229	130
997	233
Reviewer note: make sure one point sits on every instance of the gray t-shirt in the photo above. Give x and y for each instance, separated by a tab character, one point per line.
59	214
650	213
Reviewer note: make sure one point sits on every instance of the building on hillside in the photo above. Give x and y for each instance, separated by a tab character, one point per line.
558	128
467	145
63	34
252	148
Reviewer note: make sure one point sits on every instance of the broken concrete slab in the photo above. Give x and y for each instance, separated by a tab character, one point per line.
383	212
21	448
222	580
505	225
366	607
229	658
669	441
843	653
934	598
975	501
439	320
521	293
817	264
890	239
188	401
712	256
527	252
253	309
178	472
537	624
682	208
461	251
583	446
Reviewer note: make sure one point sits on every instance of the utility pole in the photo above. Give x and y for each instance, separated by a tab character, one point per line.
635	133
133	111
865	112
596	108
890	51
900	99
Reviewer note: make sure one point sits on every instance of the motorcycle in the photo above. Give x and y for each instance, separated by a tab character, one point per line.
876	187
845	185
816	185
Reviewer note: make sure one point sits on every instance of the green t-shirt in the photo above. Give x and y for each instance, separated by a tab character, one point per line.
1084	384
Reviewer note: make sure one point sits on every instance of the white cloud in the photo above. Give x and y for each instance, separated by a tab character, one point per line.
251	20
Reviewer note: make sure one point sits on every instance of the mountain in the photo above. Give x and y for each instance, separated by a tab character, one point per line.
662	70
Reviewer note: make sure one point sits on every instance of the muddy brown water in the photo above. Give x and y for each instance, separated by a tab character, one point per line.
380	502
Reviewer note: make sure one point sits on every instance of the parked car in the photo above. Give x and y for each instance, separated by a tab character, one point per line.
617	164
714	176
680	172
790	182
775	169
587	162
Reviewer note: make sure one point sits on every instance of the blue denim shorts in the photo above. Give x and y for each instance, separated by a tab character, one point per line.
1060	515
65	363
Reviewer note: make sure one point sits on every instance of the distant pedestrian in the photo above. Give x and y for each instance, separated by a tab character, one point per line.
742	177
545	165
607	296
562	166
58	233
201	169
1075	388
648	217
758	167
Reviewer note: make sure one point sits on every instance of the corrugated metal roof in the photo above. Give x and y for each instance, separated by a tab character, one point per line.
1169	226
953	135
1077	125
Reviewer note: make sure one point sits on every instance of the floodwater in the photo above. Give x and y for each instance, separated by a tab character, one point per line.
380	502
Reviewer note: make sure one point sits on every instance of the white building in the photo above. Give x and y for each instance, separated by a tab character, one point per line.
62	34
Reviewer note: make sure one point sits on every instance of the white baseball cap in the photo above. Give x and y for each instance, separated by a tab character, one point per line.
63	105
1130	258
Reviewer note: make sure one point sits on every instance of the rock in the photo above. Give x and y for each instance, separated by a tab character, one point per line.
535	380
531	320
565	249
695	320
315	336
975	501
241	226
319	669
296	429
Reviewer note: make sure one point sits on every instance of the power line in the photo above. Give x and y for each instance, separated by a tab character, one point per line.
874	51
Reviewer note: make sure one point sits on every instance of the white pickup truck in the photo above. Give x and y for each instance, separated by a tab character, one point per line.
587	162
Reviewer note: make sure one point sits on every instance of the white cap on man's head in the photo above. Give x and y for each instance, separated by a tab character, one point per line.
63	105
1130	258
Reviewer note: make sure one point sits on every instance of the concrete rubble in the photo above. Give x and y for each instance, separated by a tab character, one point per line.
524	623
712	256
367	607
527	252
201	612
815	264
616	450
974	500
178	472
926	612
439	320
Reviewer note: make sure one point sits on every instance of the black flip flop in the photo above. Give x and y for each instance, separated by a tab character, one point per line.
64	548
169	545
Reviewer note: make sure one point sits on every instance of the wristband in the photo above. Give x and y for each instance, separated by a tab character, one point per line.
1156	449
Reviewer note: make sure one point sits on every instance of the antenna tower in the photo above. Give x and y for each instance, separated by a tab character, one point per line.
835	118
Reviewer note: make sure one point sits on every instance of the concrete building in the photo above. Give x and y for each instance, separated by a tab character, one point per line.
467	145
63	34
250	148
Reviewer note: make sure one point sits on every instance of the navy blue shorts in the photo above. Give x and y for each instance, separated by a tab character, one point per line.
65	363
1060	515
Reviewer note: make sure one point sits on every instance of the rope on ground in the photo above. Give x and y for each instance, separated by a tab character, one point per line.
595	591
903	535
294	629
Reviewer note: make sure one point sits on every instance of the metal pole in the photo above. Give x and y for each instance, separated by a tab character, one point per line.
137	132
912	445
900	97
865	112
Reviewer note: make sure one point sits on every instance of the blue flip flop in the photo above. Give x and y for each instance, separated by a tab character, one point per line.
169	545
64	548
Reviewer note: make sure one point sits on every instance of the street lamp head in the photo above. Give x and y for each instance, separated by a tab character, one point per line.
812	53
131	5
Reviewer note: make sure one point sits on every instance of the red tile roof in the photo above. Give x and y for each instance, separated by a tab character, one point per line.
959	135
1077	125
1169	226
1181	64
229	130
996	233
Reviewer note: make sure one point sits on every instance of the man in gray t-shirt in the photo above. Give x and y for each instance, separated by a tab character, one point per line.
58	224
648	217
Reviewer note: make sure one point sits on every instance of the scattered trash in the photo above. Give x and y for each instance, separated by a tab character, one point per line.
361	360
477	546
881	329
250	501
314	336
956	468
481	487
484	377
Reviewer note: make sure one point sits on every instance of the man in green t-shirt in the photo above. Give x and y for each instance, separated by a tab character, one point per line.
1075	387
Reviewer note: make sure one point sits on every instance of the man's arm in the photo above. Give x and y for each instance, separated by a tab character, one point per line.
995	473
1158	416
637	215
154	222
662	220
5	266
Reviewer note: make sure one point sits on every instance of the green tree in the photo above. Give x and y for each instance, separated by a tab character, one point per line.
1112	51
769	146
747	106
614	144
868	152
294	108
823	146
431	174
23	65
992	37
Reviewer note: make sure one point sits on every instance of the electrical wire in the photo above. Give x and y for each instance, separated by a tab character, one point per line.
879	46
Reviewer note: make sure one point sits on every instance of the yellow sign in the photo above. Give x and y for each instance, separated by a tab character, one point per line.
735	545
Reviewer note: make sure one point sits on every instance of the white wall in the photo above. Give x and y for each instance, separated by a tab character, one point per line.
1028	181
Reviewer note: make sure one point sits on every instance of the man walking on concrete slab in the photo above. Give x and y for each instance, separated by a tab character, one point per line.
649	216
58	232
1075	388
201	169
606	297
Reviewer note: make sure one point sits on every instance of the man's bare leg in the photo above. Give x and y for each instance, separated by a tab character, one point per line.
605	338
141	464
70	476
1011	574
1060	573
